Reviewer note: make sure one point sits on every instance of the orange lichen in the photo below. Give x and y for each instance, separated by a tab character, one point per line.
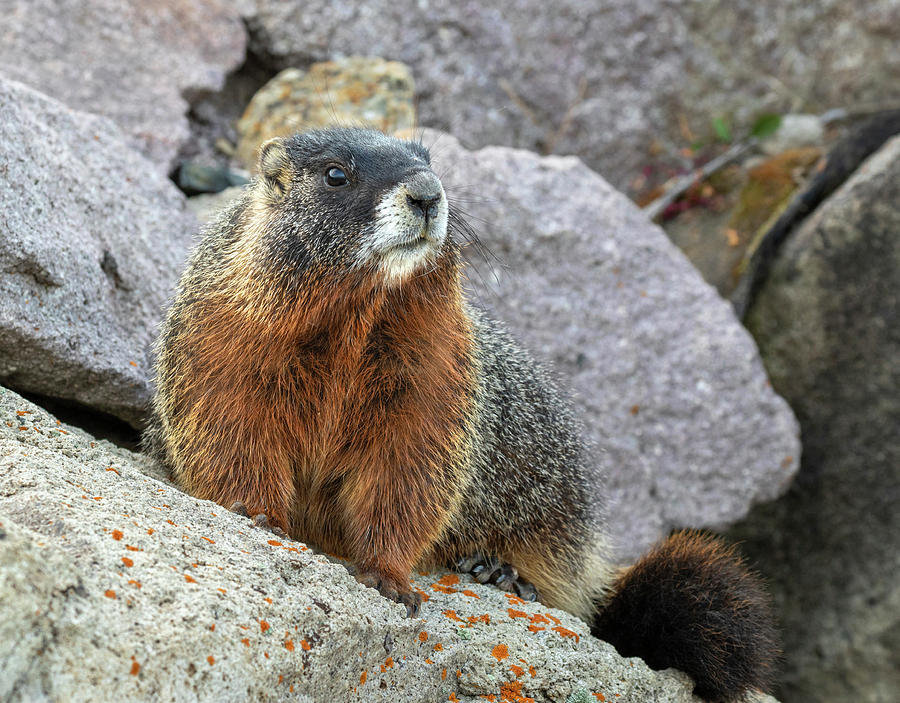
469	593
212	627
479	618
438	647
289	645
500	652
515	600
172	522
532	671
275	543
516	670
452	697
451	614
362	677
517	613
110	594
110	468
555	620
305	645
566	632
189	578
512	692
221	590
449	580
135	667
133	582
423	636
150	530
443	674
117	535
537	617
442	589
488	697
268	600
207	539
599	696
428	661
263	625
245	641
127	561
535	628
425	597
211	660
389	663
132	548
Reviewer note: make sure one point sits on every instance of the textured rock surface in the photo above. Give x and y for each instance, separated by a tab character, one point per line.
116	584
669	384
826	322
207	205
91	240
139	63
358	90
609	81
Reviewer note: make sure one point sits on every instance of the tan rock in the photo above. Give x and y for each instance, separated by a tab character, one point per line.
356	90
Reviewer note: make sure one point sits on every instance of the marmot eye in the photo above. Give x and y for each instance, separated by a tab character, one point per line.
336	177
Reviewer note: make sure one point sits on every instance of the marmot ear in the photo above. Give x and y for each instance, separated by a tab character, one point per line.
274	166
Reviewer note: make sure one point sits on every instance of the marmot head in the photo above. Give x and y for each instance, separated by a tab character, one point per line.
346	199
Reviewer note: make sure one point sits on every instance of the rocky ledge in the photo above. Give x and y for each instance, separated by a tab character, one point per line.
113	579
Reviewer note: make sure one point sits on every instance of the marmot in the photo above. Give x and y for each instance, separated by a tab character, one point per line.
321	366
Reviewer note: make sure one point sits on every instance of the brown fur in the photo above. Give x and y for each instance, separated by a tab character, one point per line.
303	412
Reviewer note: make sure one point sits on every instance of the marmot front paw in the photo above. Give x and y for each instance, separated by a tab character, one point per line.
392	589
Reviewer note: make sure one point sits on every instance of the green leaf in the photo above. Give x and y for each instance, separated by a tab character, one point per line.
722	130
766	125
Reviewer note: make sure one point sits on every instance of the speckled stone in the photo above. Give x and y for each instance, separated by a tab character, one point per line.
357	90
138	63
668	382
114	585
92	237
615	82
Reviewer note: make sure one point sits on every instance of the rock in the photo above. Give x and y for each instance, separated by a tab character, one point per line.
194	178
93	240
357	91
794	132
205	207
115	585
669	384
140	64
610	82
826	322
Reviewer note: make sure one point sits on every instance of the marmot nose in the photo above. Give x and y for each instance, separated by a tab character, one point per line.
426	206
424	193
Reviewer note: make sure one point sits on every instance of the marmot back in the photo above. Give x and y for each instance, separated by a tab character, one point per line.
320	366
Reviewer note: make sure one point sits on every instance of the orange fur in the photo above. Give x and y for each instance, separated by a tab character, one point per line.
340	413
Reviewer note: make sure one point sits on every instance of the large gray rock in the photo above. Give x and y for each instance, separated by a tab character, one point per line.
139	63
92	237
668	382
614	82
116	586
826	321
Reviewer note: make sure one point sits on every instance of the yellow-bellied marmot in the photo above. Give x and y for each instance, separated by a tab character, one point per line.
320	365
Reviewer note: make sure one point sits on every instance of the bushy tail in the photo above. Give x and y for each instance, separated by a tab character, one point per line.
692	604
